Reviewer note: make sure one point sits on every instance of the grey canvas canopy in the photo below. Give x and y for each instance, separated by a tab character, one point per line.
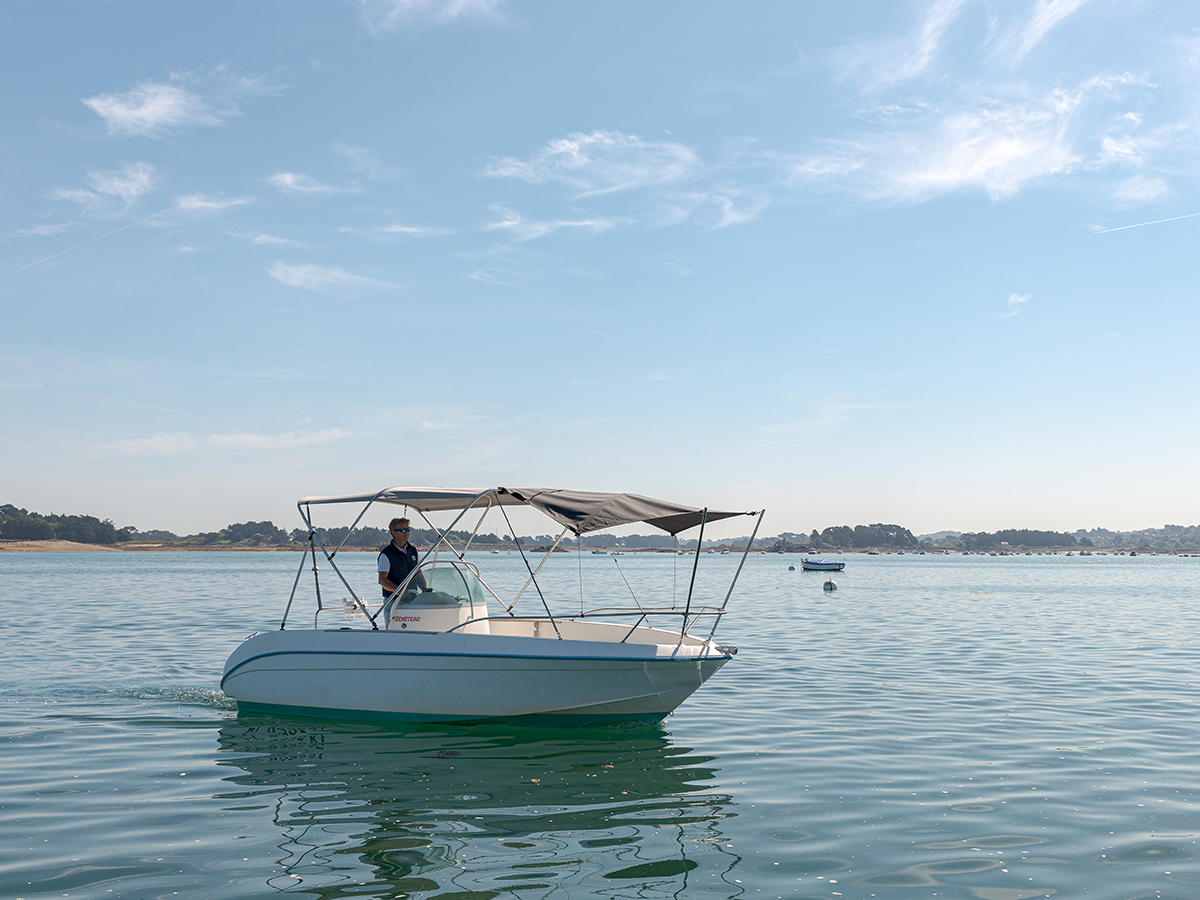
582	512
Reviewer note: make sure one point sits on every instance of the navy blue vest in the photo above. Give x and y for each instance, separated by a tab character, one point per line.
401	561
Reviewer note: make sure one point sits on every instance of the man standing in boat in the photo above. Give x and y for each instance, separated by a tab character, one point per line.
396	560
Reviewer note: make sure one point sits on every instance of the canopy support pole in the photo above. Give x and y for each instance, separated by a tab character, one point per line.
316	539
745	553
675	570
579	559
317	582
478	525
695	565
532	573
296	583
353	525
627	584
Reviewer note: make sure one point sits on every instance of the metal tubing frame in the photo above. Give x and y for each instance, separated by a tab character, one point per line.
354	523
745	553
315	538
627	584
634	628
295	584
646	611
695	565
440	538
478	525
532	573
315	541
610	613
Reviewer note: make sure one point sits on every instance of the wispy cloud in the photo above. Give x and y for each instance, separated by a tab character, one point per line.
249	441
1011	32
173	444
45	230
294	183
1141	189
662	183
1015	303
159	108
523	229
113	194
1045	16
321	278
260	239
997	144
892	61
154	109
954	103
415	230
112	191
718	207
99	237
400	229
365	161
161	444
201	203
600	163
383	15
496	274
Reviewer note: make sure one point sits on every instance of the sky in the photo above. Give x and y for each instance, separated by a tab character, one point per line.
927	263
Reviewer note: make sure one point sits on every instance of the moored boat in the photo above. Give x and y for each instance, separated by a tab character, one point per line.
822	565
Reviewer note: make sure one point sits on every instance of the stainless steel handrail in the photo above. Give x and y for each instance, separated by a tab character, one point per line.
615	612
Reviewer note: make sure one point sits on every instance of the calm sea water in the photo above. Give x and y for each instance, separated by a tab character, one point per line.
980	727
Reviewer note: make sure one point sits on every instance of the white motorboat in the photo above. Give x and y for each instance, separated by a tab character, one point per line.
822	565
438	654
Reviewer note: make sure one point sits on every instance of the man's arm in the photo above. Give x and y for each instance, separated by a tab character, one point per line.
419	581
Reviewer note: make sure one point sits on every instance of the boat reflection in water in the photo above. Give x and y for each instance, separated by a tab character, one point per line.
375	810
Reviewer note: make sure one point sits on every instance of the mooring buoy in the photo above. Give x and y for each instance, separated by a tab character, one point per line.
830	586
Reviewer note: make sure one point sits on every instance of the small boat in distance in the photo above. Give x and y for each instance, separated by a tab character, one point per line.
822	565
432	651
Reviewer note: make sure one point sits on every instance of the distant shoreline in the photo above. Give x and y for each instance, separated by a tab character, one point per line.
63	546
52	546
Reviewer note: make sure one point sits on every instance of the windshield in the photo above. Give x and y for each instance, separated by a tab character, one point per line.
450	585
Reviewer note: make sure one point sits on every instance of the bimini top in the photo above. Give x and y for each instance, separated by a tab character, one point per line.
581	512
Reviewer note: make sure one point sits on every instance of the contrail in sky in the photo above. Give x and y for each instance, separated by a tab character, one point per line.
1155	222
85	243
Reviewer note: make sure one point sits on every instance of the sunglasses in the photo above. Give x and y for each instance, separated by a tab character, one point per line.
405	530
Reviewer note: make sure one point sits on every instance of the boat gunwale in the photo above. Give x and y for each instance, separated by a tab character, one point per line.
708	654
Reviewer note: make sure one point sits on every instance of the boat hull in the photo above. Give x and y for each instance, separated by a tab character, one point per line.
812	566
439	677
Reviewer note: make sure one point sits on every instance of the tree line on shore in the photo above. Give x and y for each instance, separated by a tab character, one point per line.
22	525
18	524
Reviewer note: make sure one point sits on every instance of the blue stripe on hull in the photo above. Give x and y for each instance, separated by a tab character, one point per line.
498	656
370	715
